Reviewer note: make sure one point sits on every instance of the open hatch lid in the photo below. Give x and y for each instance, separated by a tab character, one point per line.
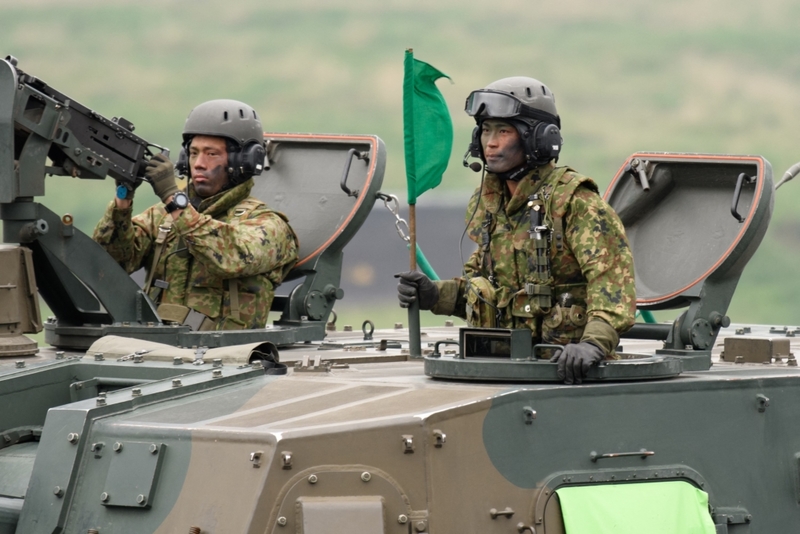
693	222
325	184
702	218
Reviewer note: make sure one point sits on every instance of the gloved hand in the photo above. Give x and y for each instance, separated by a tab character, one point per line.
161	174
413	285
575	360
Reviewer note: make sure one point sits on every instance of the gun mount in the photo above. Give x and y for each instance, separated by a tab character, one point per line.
90	295
79	283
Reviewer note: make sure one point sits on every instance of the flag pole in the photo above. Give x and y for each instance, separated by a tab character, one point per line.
412	235
428	140
414	334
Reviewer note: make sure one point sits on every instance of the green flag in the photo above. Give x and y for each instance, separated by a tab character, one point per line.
428	130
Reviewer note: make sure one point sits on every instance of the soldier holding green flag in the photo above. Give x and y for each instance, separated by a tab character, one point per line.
552	255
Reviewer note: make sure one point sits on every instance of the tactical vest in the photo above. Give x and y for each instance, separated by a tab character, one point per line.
188	310
552	287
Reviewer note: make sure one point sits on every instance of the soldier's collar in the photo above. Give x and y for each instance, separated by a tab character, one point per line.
527	186
223	200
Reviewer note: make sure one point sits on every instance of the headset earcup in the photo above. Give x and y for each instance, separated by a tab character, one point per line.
183	163
253	155
247	162
234	164
546	142
475	144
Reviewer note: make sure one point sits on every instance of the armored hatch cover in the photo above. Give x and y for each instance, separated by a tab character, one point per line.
326	184
700	221
693	222
325	213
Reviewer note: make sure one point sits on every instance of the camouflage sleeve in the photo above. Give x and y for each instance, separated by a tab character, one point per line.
596	237
127	239
452	293
451	298
261	243
599	333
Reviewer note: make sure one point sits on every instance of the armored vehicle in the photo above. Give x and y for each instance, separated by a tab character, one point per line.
127	424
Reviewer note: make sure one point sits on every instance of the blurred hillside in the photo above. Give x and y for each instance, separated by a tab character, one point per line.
629	75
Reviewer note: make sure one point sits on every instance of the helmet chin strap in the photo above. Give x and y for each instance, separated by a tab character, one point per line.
516	174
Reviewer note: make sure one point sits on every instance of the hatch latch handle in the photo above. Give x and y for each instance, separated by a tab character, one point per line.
737	192
437	353
349	159
644	453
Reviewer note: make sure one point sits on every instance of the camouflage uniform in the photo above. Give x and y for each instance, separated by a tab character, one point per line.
591	266
231	238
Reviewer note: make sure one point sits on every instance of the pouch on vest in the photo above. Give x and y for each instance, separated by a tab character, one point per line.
564	325
173	313
534	300
481	312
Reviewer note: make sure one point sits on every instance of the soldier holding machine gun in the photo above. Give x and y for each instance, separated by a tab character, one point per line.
213	253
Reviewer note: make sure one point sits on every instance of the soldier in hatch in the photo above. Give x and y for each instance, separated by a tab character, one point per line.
213	253
552	255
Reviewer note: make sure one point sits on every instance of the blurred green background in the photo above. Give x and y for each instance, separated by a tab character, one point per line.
629	75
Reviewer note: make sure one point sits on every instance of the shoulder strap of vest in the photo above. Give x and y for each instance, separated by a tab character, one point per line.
163	231
241	210
246	206
565	182
487	227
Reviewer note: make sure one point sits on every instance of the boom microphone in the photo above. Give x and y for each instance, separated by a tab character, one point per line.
475	166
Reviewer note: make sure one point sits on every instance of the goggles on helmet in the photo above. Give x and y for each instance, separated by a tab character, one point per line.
487	103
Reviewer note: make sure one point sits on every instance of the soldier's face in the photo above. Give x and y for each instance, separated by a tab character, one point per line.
208	161
502	146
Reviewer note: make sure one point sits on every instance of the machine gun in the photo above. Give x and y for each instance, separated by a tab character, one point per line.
80	142
80	283
89	293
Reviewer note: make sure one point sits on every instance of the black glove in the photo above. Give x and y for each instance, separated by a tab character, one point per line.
414	284
575	360
160	172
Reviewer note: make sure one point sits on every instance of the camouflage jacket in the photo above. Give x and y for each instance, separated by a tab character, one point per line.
229	236
591	265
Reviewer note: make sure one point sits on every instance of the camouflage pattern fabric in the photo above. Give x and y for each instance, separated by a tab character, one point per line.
481	308
591	284
229	236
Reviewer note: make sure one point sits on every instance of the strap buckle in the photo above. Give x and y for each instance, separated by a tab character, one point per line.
537	289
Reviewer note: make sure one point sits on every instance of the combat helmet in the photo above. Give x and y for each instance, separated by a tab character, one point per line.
528	105
241	128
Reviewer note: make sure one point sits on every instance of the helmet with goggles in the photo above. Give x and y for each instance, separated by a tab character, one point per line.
528	105
518	97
